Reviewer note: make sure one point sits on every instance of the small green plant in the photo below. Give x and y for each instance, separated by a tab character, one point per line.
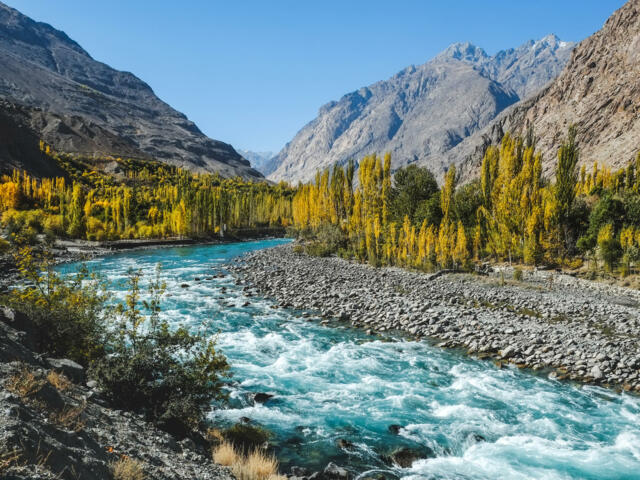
171	376
246	437
69	314
318	249
517	274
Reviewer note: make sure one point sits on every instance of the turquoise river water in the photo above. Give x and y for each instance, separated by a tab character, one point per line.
334	382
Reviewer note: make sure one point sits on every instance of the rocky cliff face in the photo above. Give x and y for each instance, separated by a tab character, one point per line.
43	68
598	92
422	112
56	425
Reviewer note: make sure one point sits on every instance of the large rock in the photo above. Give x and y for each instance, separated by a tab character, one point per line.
334	472
72	370
405	456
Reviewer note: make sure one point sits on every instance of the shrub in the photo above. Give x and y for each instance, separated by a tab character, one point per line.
68	314
127	469
170	376
54	225
517	274
69	418
25	383
5	246
58	381
225	454
246	437
257	466
331	236
318	249
298	249
610	252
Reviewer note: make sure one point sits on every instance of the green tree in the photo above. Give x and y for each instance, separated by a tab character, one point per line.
68	314
566	181
412	186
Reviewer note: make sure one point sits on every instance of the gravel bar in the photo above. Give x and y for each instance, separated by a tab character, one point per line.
578	330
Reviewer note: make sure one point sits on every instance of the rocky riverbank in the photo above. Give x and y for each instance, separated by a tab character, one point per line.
576	329
56	425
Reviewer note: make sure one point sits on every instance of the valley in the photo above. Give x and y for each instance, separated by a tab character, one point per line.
436	278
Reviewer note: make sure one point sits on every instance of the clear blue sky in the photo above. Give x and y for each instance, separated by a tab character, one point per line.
252	73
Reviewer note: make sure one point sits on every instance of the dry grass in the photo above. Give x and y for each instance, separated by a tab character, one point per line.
215	436
8	459
127	469
25	384
225	454
70	418
255	466
58	381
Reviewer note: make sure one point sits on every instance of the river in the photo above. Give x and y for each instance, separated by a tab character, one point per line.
334	383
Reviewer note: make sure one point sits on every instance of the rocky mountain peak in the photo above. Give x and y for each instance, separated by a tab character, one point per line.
423	111
464	51
598	91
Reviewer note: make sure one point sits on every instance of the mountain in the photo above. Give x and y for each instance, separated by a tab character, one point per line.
42	69
598	92
22	128
422	112
525	69
261	161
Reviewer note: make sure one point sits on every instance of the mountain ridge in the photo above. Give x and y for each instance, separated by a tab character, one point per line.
598	92
42	68
421	111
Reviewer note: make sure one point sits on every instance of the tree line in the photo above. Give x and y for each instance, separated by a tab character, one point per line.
510	213
144	200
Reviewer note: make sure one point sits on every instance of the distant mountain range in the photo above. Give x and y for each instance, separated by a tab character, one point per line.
422	112
53	88
261	161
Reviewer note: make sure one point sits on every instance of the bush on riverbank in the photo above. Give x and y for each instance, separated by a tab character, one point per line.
246	437
171	376
67	315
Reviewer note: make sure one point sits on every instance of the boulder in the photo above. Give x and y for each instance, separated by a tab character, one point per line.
334	472
395	429
261	397
405	456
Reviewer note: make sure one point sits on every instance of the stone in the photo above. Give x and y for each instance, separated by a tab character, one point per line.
405	456
596	373
334	472
395	429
